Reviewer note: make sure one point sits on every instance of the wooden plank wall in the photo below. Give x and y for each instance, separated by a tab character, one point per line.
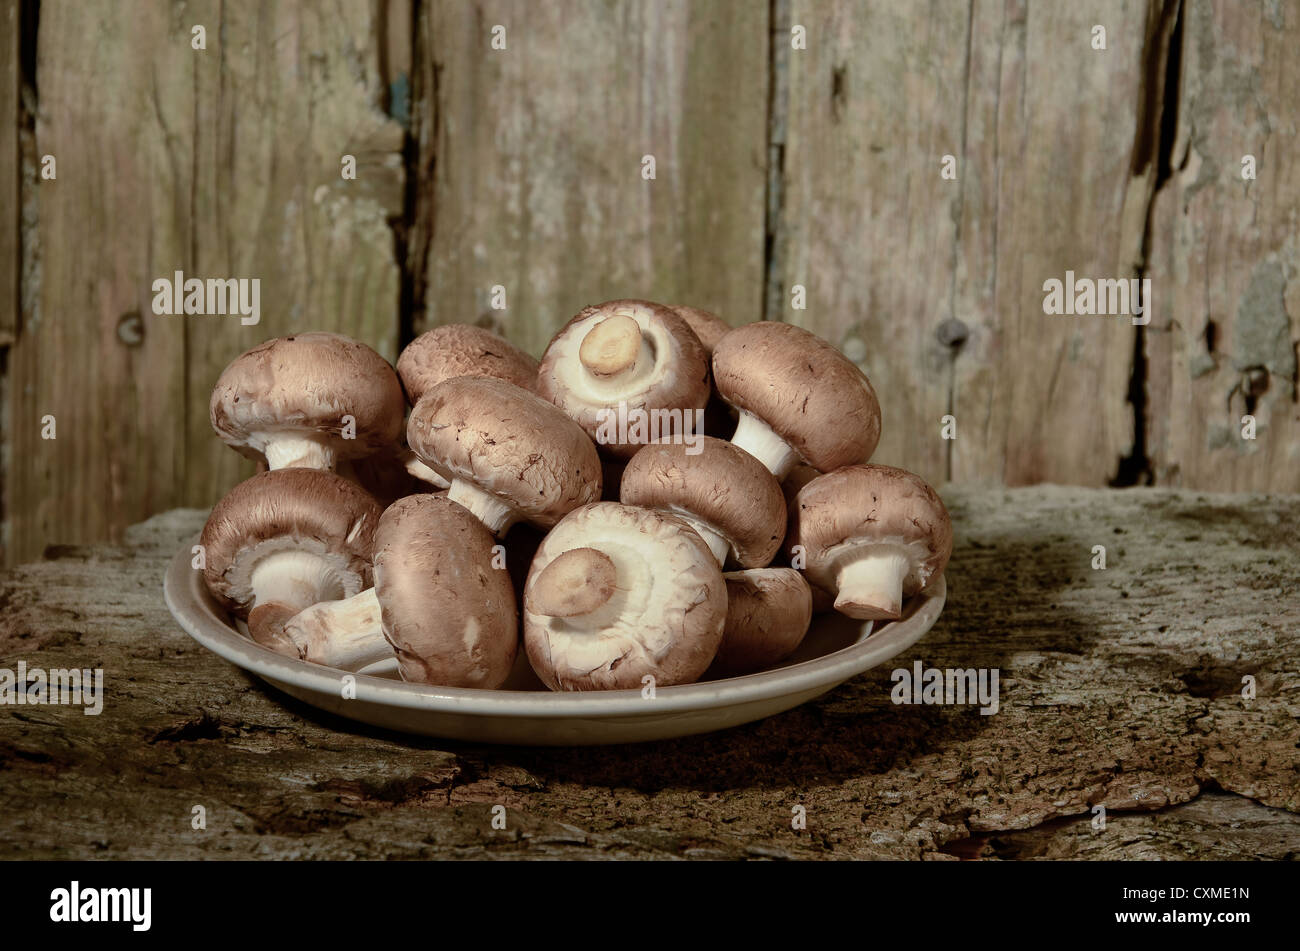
774	167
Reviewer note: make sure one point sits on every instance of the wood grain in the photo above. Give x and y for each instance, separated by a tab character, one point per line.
1119	687
10	170
223	162
1225	258
537	181
1041	127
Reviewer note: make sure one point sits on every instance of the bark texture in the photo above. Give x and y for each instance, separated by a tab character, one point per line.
1120	687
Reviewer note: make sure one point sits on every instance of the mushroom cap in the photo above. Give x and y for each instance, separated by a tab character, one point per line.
708	326
809	393
669	603
454	350
874	505
678	379
508	442
722	486
306	384
307	510
768	613
447	609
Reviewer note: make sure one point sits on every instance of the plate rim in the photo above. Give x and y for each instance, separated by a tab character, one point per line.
196	613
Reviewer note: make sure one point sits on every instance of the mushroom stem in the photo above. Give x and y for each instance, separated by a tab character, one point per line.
575	583
347	633
870	587
291	451
420	470
284	583
759	440
717	544
496	514
614	346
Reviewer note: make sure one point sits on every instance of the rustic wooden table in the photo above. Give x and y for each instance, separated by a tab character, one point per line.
1120	687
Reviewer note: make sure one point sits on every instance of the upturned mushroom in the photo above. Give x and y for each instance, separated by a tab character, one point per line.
439	602
768	613
308	401
618	593
454	350
508	454
284	540
799	398
627	370
722	492
874	535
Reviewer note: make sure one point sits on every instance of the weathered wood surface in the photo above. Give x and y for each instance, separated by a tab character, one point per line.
221	163
1225	260
537	155
774	166
1119	687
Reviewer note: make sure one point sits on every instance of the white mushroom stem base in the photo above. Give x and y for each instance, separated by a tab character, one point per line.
411	462
870	587
348	634
717	544
284	583
291	451
760	441
487	508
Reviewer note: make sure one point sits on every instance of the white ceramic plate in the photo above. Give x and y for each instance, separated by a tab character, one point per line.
526	713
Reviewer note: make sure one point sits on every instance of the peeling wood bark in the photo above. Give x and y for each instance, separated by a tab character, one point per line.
1120	687
1225	262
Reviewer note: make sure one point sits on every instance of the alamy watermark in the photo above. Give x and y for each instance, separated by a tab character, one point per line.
1105	297
640	427
933	685
216	296
35	686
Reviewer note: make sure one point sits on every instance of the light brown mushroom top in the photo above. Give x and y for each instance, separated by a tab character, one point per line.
509	444
808	393
708	326
288	400
870	511
635	354
617	593
721	491
462	350
448	611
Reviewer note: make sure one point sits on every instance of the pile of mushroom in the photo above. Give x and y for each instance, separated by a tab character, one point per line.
414	516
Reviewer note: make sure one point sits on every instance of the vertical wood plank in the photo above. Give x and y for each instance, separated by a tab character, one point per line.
1053	128
297	87
1226	257
868	226
10	170
538	150
222	163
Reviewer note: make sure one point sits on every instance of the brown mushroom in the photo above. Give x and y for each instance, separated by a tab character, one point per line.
450	351
722	492
308	400
627	370
799	398
284	540
508	454
617	594
768	613
454	350
873	534
439	601
708	326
